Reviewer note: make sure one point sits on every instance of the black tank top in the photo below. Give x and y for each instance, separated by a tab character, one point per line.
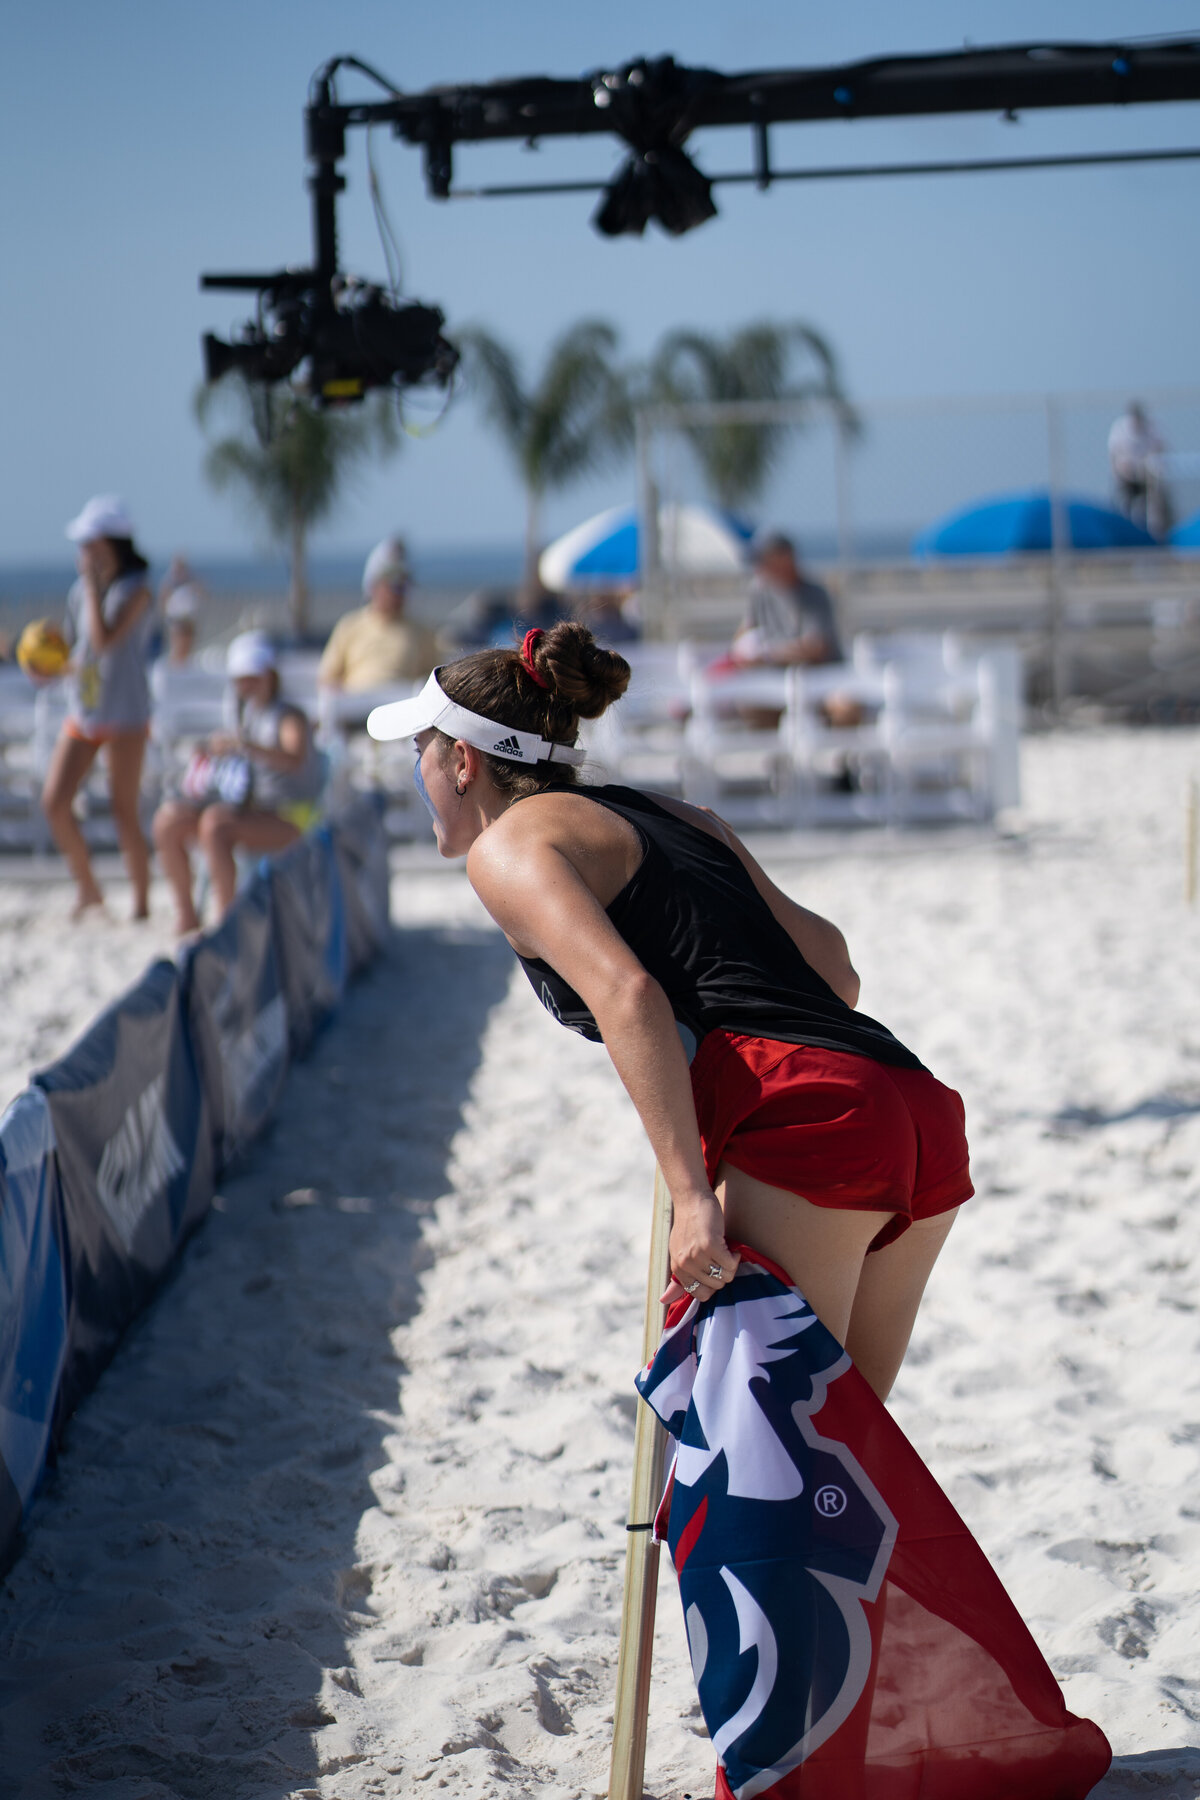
695	920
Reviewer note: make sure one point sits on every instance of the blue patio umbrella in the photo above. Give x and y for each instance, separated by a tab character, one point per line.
1020	524
1187	535
692	540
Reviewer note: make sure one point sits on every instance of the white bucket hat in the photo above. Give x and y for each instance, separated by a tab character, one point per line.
433	709
104	516
250	653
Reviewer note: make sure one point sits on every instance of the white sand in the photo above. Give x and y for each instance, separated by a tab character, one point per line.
345	1517
56	974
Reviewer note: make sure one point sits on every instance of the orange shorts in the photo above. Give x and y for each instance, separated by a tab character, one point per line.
835	1128
102	734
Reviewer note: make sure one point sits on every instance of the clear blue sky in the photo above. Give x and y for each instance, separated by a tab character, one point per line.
142	145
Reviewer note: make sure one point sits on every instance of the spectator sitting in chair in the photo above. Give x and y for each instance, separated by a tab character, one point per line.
255	788
789	618
376	644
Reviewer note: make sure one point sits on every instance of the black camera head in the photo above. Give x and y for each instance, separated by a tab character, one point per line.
351	335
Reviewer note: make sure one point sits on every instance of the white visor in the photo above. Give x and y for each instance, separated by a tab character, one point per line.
432	709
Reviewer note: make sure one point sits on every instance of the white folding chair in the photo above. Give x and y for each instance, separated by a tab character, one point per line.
640	739
734	755
187	704
357	762
938	744
837	758
20	812
298	683
928	654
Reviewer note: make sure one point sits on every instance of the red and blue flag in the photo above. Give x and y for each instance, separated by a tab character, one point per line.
849	1638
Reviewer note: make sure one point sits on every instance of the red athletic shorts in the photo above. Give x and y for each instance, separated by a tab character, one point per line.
835	1128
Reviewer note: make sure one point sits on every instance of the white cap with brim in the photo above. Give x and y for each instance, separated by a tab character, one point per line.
250	653
433	709
387	562
104	516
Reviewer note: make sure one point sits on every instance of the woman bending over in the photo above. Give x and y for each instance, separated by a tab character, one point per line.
780	1116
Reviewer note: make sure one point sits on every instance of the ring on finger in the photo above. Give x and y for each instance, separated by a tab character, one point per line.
715	1272
690	1287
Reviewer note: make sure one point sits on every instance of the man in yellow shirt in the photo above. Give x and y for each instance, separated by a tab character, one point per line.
376	644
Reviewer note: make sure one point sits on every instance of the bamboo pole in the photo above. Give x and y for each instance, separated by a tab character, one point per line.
627	1771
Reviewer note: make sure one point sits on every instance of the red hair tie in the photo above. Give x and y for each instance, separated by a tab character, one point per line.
527	648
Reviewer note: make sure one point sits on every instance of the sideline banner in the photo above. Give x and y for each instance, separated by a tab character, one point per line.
361	851
109	1159
33	1303
310	925
237	1018
134	1152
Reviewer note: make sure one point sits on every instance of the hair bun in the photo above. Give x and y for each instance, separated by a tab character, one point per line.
578	670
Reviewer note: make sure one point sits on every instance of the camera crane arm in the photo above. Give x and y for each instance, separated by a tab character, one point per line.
353	337
654	105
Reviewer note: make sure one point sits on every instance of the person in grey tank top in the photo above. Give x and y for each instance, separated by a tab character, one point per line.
269	758
108	618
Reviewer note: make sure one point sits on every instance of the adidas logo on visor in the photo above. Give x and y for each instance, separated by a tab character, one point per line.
508	746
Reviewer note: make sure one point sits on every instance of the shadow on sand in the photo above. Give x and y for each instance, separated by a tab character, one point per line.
1074	1120
187	1589
1174	1774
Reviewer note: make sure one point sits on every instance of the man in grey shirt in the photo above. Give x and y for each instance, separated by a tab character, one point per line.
789	618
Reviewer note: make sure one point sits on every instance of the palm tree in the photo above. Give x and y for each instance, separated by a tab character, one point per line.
754	363
291	461
575	416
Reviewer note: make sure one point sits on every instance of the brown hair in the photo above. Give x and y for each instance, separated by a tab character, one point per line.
130	560
580	680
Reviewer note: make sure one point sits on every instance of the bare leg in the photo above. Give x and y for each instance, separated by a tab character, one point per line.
175	827
125	757
821	1247
889	1293
224	828
869	1302
69	764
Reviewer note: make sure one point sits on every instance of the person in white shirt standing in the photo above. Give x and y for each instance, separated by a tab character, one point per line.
1135	450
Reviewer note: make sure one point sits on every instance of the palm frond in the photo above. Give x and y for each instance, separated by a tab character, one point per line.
580	414
753	363
288	459
491	373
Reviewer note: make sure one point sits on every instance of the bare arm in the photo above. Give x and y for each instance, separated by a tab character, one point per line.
290	752
818	940
544	907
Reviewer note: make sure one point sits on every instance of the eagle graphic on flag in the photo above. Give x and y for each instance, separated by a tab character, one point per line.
848	1636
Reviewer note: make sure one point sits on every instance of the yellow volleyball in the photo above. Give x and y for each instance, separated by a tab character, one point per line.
42	649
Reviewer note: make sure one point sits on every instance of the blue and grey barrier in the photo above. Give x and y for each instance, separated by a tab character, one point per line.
108	1160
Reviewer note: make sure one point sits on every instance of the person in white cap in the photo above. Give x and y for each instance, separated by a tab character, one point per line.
255	788
108	621
376	643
